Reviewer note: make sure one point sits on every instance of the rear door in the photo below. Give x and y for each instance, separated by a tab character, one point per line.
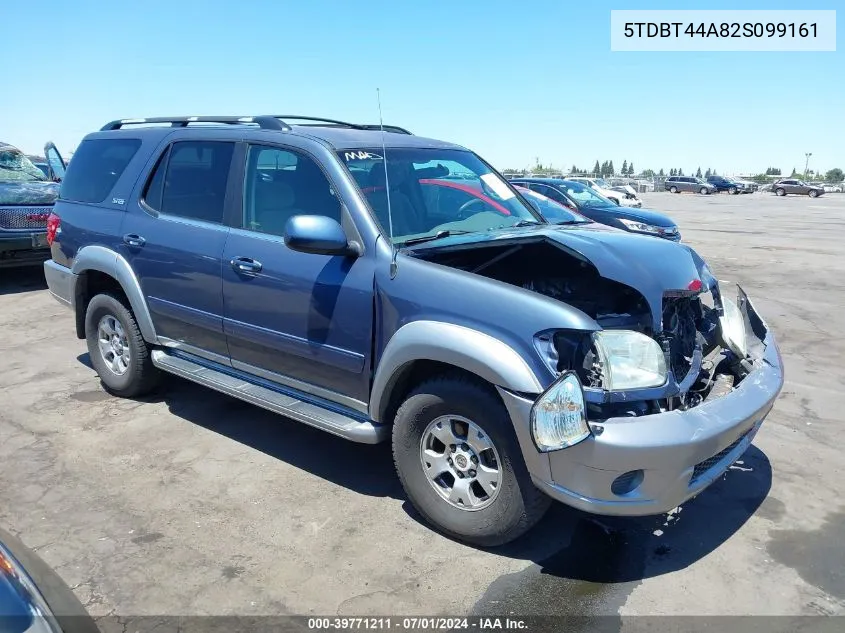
174	237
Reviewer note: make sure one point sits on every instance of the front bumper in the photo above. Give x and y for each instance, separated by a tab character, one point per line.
680	453
635	203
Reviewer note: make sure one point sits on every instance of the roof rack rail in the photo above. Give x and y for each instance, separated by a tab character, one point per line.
264	122
334	122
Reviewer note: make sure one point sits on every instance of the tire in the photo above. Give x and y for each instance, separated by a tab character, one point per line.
452	400
704	191
733	191
813	193
780	192
673	190
133	373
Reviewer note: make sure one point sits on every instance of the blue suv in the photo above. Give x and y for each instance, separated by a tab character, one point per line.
383	286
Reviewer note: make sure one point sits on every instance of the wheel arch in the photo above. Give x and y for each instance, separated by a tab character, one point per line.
421	349
98	269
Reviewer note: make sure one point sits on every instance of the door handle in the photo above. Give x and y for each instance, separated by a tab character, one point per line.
134	240
245	265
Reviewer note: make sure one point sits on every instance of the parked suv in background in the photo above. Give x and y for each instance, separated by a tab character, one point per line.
797	187
677	184
729	184
26	199
343	277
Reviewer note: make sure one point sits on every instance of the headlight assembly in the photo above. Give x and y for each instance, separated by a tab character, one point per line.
559	416
641	227
629	360
733	328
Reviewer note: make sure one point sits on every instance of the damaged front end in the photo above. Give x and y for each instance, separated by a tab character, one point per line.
667	340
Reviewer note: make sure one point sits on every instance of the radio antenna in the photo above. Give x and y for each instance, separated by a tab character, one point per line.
387	188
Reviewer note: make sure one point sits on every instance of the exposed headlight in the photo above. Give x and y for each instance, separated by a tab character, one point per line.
641	227
733	328
559	416
629	360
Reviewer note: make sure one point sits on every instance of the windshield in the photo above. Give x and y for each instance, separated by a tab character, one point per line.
434	191
15	167
585	196
553	211
601	182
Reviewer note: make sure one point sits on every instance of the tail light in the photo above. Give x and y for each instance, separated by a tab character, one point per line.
54	224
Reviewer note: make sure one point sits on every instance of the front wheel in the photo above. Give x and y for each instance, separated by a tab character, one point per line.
780	192
733	191
704	191
117	349
460	464
673	190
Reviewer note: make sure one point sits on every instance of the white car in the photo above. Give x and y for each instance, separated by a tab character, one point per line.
627	198
831	188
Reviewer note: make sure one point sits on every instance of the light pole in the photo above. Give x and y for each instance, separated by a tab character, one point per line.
807	163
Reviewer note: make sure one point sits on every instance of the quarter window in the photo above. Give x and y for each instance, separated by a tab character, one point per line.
190	180
97	165
279	184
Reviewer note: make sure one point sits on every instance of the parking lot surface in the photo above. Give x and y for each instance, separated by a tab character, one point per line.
190	502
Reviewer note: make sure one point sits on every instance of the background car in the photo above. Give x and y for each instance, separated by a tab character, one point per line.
832	188
677	184
624	198
26	200
578	197
796	187
729	184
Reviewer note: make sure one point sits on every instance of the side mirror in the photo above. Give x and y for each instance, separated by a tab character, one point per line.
319	235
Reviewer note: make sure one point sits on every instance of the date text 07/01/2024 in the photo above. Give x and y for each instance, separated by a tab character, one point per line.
481	623
724	29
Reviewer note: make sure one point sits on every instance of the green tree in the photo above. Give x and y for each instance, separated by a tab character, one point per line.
794	173
672	172
834	175
624	167
698	173
707	173
680	172
596	168
647	173
631	171
610	170
661	173
573	170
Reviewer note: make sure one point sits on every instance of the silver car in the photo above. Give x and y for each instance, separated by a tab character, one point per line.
677	184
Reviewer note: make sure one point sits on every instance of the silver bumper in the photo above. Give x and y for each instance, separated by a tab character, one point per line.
60	281
680	453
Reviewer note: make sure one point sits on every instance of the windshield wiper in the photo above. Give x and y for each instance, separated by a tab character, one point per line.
436	236
524	223
570	222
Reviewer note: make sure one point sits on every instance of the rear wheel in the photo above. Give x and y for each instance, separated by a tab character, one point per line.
117	349
460	464
780	191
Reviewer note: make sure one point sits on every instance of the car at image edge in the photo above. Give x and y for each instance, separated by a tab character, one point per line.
27	195
509	361
796	187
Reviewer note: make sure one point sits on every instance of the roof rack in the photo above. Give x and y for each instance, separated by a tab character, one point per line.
267	122
264	122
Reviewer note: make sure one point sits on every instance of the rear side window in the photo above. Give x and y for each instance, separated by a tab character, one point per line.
190	180
97	165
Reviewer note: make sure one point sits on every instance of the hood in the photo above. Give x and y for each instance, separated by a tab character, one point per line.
639	215
24	193
625	189
652	266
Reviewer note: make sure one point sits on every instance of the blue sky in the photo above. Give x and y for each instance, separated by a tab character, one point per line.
513	81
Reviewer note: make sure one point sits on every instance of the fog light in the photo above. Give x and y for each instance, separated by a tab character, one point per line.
627	482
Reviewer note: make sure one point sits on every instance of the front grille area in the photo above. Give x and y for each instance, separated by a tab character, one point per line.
679	324
702	467
24	217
